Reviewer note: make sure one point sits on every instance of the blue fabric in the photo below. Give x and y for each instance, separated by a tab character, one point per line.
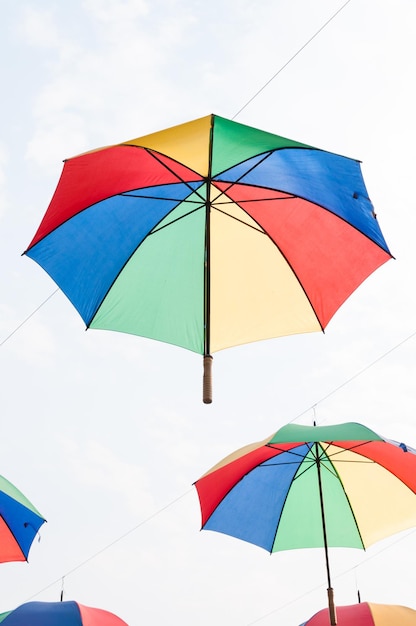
328	180
85	255
44	614
252	509
22	522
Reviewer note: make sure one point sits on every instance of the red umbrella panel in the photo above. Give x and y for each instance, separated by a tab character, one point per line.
208	235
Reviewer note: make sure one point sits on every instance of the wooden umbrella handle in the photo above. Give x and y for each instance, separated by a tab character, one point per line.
207	380
331	606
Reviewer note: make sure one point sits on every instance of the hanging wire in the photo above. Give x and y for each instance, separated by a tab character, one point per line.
109	545
291	59
356	375
28	318
356	585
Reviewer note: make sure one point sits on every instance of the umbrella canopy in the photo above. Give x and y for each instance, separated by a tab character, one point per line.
59	614
367	614
19	523
209	235
311	486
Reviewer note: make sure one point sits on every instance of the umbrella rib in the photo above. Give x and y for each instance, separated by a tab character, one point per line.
14	536
128	194
335	472
154	154
154	230
353	448
259	229
301	285
177	219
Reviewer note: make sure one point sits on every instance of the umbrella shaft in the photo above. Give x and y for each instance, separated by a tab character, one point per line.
321	499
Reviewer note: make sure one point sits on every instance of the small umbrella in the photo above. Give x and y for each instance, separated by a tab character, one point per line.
19	523
312	486
208	235
367	614
67	613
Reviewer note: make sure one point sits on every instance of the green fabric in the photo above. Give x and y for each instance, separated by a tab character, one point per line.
234	143
301	521
12	491
159	294
4	615
349	431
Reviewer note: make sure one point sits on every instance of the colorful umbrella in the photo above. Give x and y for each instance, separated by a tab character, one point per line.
19	523
59	614
309	486
367	614
208	235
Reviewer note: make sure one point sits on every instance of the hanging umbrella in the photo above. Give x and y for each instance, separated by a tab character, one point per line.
67	613
312	486
19	523
367	614
208	235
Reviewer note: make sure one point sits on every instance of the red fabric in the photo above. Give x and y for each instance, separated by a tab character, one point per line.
95	176
354	615
9	548
213	487
320	268
400	463
98	617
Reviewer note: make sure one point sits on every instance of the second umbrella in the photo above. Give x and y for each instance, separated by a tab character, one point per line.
312	486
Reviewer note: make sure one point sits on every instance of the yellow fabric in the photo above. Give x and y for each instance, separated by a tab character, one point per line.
382	503
254	294
390	615
237	454
187	143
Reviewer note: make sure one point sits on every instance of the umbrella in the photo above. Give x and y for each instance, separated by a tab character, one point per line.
367	614
208	235
67	613
19	523
312	486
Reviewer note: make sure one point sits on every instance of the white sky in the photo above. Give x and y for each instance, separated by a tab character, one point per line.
102	430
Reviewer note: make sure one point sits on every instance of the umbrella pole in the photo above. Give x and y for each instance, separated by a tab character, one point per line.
331	604
207	380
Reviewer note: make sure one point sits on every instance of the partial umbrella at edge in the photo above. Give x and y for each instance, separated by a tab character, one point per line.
312	486
367	614
19	523
208	235
68	613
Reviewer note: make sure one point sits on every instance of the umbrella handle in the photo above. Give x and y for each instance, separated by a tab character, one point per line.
207	380
331	606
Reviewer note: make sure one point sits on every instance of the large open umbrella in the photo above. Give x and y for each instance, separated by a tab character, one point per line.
367	614
208	235
312	486
19	523
67	613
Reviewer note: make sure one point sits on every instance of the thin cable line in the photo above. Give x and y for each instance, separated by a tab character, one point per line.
110	545
28	318
349	380
290	60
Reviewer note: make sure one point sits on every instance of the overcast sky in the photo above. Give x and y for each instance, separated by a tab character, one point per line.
106	432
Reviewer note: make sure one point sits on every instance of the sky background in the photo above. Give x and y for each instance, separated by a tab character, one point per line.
105	433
